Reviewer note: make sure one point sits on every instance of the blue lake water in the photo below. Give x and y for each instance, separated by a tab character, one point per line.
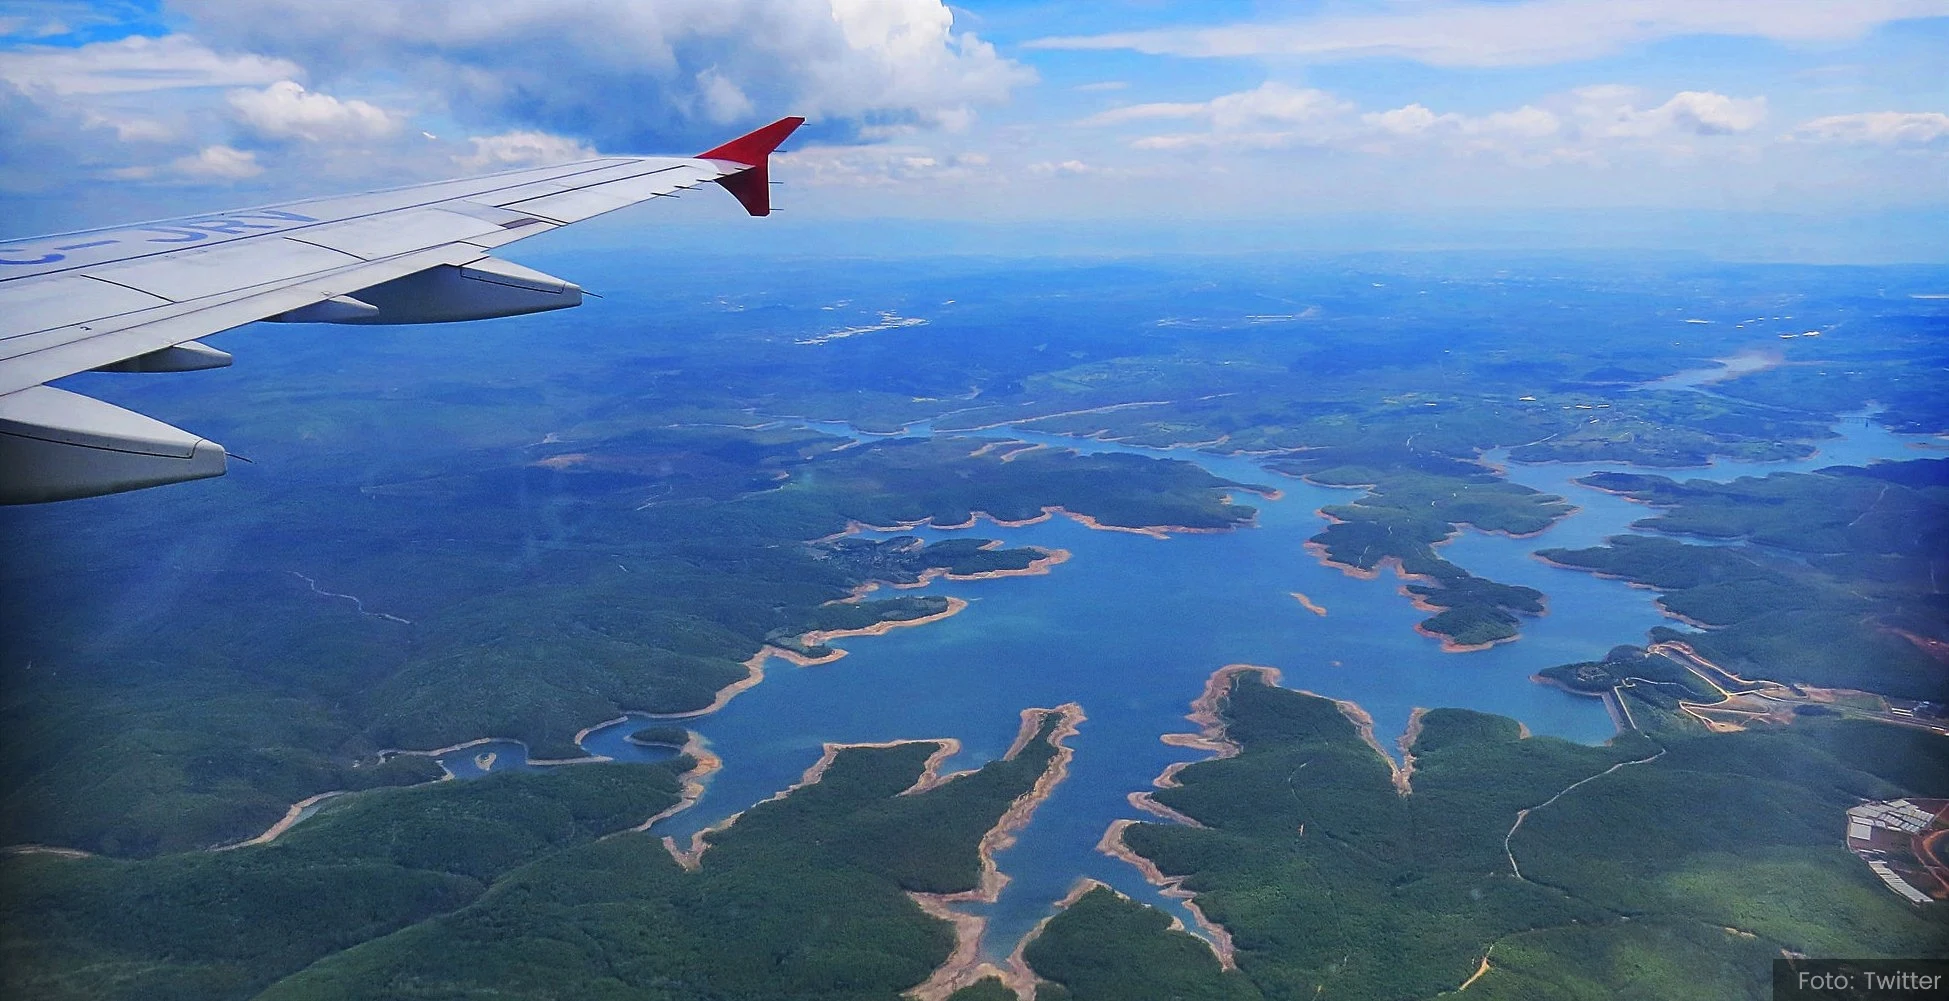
608	741
1131	627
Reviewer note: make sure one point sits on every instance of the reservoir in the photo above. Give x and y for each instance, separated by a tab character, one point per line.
610	740
1132	626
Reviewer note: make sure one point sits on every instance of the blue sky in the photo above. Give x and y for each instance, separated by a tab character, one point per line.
1803	129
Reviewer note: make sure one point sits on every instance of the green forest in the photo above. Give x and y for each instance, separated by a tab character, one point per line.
803	897
1415	502
203	926
1334	885
530	884
1828	586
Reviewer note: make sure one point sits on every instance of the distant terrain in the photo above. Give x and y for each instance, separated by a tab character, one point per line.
522	530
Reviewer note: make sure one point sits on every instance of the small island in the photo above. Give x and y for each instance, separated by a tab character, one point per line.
660	735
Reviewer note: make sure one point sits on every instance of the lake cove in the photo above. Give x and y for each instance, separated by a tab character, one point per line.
1131	628
492	755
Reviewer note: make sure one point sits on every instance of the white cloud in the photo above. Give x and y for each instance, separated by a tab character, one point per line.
1274	104
1085	168
656	74
1149	112
1449	33
880	166
135	65
133	130
1271	114
1411	120
1416	120
1878	128
286	110
1609	111
723	100
218	163
522	149
1571	127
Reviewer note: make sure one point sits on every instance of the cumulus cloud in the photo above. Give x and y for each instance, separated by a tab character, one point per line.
658	74
218	163
286	110
1608	111
1878	128
522	149
135	65
1534	33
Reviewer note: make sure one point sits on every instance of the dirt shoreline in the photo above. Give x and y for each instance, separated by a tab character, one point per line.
1018	976
1400	773
1041	566
695	781
965	965
1211	737
291	817
754	667
53	850
1220	940
1048	512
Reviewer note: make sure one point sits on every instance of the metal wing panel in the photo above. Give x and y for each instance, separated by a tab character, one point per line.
194	274
90	248
573	206
59	300
507	234
585	203
396	232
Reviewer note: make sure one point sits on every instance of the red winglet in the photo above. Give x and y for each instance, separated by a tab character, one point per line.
752	187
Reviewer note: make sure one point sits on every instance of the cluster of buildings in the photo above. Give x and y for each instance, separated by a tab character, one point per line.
1896	838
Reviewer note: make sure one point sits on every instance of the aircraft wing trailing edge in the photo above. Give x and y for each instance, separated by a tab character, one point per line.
136	298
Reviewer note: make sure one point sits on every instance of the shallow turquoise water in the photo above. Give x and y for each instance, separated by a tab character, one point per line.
1132	627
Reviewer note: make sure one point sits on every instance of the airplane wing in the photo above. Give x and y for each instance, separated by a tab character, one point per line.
136	298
